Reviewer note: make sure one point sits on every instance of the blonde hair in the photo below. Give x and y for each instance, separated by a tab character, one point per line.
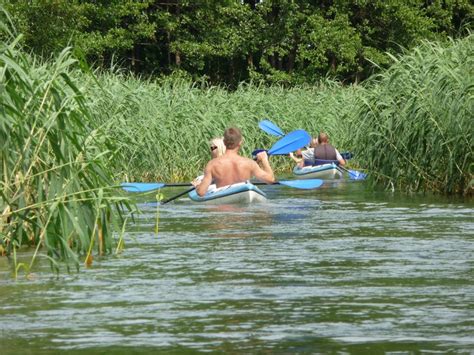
219	143
232	137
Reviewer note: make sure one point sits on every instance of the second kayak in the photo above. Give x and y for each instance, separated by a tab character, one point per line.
324	171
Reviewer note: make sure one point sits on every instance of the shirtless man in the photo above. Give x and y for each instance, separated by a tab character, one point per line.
232	168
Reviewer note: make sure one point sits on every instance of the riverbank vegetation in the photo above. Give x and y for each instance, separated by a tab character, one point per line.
410	127
69	135
414	125
55	161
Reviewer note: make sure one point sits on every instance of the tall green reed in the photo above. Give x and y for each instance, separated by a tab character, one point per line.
414	125
164	127
409	127
55	162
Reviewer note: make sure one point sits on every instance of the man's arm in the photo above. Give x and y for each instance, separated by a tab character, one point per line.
265	173
299	161
340	159
202	187
295	159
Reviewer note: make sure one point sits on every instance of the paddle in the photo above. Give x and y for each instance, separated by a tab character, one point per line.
289	143
354	174
272	129
306	184
148	186
178	195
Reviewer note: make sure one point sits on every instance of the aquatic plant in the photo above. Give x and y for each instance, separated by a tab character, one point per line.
414	124
55	171
164	127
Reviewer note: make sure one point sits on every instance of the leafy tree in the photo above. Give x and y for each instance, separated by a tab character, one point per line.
228	41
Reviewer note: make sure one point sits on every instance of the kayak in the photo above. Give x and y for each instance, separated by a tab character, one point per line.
323	171
242	192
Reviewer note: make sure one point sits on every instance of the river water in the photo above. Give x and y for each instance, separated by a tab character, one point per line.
341	269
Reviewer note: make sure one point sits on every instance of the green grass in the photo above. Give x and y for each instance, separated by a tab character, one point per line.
410	127
414	124
55	161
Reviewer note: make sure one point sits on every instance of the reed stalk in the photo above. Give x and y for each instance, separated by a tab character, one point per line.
414	123
54	160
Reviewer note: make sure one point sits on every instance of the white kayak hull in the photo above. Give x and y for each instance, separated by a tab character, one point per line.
243	192
325	171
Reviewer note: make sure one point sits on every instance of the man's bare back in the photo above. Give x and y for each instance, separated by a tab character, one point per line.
228	170
231	168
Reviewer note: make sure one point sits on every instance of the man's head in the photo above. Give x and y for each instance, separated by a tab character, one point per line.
323	138
314	142
232	137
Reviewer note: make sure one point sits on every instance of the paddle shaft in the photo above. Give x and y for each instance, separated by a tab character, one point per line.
347	170
177	184
357	175
178	195
264	183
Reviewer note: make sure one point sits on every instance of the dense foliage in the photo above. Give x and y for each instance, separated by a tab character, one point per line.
230	41
414	127
55	171
410	127
67	134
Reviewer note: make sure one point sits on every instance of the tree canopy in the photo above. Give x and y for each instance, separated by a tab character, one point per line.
229	41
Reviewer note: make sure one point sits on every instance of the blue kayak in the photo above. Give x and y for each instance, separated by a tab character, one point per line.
243	192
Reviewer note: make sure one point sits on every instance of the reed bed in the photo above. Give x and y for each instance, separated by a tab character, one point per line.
410	127
55	161
414	124
164	127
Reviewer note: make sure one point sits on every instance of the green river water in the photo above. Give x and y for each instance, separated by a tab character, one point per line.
341	269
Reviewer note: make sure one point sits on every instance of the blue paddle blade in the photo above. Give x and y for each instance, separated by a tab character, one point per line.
306	184
356	175
270	128
141	186
291	142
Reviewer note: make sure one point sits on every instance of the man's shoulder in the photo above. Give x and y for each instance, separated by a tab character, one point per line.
246	160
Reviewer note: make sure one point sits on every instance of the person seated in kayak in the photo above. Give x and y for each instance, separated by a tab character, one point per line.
217	149
305	157
231	168
326	152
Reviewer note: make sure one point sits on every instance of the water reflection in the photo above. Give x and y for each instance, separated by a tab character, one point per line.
339	269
